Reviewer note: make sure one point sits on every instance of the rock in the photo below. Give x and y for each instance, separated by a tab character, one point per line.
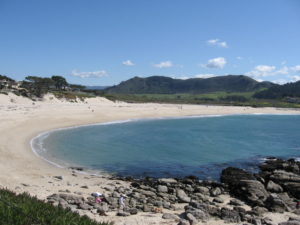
191	219
272	187
167	181
259	211
215	192
202	190
218	200
232	176
235	202
59	177
268	221
84	206
146	208
197	213
162	188
147	193
256	221
168	216
293	188
184	222
230	216
281	176
85	186
277	203
120	213
294	222
133	211
182	196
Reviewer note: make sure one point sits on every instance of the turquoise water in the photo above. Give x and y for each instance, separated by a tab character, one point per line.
200	146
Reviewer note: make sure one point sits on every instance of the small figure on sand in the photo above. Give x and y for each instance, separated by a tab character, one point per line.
122	202
97	196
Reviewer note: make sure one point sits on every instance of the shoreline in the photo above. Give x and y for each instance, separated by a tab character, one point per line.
23	171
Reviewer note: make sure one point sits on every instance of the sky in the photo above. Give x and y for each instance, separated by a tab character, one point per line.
104	42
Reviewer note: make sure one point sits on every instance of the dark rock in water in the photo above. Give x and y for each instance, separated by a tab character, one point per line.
232	176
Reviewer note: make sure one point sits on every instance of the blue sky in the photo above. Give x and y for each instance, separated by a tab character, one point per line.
104	42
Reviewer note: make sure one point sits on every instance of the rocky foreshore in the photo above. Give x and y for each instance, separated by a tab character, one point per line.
275	188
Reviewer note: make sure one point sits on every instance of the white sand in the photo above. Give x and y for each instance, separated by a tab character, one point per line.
22	119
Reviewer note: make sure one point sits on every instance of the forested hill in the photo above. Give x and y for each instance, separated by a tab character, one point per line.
167	85
280	91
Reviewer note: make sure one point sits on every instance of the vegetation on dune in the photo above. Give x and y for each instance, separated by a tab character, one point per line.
23	209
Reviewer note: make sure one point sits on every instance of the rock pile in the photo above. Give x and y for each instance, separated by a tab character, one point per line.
276	188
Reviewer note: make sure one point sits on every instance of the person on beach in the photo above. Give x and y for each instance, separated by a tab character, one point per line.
97	196
122	202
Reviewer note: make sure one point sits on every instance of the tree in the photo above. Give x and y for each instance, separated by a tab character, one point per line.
37	85
59	82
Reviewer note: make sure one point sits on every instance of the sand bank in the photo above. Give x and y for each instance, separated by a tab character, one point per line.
22	119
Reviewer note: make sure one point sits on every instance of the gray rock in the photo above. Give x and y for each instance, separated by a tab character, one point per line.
230	216
294	222
59	177
147	193
184	222
235	202
191	219
168	216
218	200
182	196
215	192
272	187
198	214
84	206
202	190
279	203
259	211
133	211
282	176
120	213
167	181
162	188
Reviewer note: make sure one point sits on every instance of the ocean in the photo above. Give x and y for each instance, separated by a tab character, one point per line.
173	147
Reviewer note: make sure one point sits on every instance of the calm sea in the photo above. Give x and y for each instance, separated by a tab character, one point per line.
177	147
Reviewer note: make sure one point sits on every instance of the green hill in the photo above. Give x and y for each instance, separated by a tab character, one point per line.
280	91
167	85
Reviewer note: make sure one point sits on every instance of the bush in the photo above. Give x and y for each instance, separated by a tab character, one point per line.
23	209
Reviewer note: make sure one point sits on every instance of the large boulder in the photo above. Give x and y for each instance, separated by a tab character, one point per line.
182	196
281	176
273	187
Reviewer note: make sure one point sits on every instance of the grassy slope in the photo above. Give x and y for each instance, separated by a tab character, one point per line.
23	209
217	98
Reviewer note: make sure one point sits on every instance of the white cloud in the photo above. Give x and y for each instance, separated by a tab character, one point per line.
128	63
262	71
94	74
207	75
239	57
218	43
216	63
266	71
280	81
296	68
183	78
165	64
295	78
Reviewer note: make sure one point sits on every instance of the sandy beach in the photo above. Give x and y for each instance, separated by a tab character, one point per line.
22	119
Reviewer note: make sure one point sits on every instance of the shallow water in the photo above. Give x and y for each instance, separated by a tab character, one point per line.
200	146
